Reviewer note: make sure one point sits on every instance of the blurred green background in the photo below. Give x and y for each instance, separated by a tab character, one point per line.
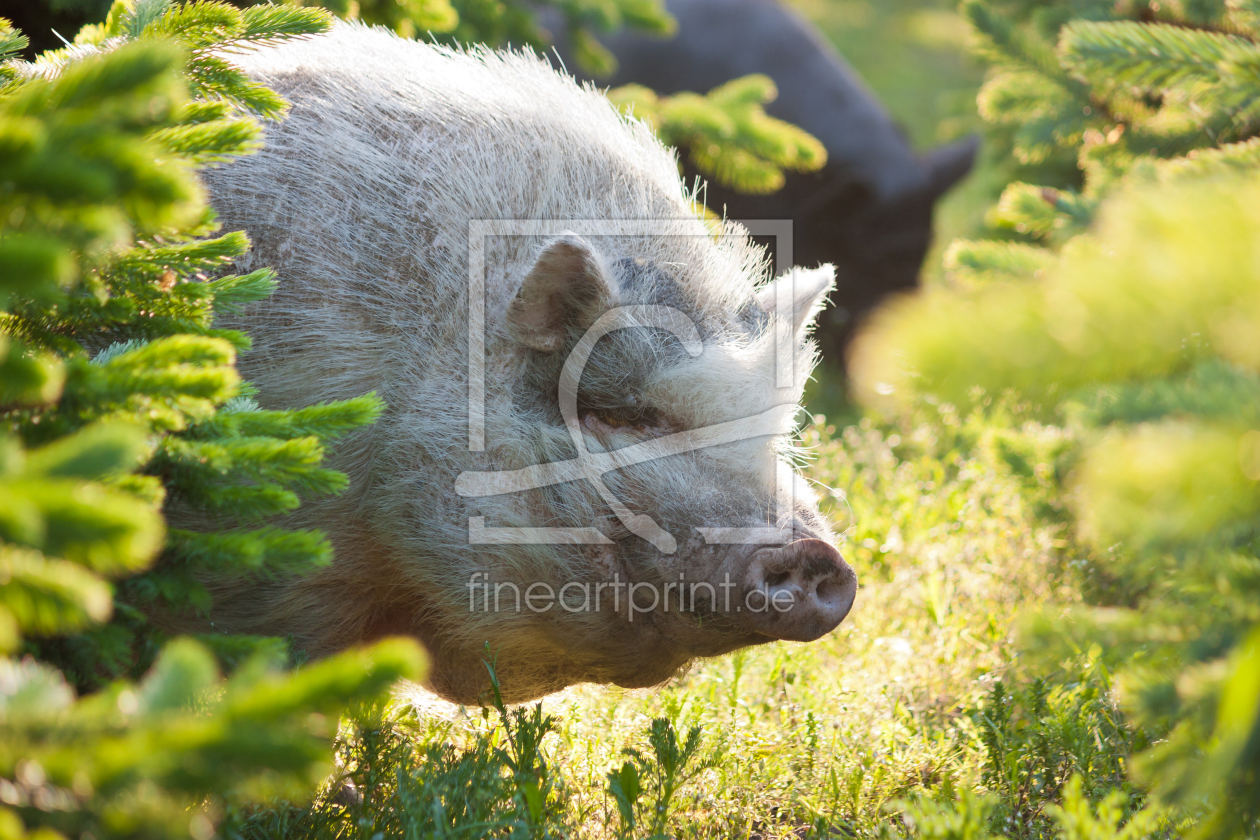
914	54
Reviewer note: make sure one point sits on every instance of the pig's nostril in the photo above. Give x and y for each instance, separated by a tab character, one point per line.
835	595
833	591
776	579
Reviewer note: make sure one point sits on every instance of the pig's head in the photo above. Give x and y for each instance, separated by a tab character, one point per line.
654	433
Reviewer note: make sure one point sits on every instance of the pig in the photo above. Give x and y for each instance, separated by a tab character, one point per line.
869	210
591	394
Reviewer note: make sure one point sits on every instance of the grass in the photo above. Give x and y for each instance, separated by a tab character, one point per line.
954	529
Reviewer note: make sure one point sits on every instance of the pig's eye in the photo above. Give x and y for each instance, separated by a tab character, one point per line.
625	419
629	418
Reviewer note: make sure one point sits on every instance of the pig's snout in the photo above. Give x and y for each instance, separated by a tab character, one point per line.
798	592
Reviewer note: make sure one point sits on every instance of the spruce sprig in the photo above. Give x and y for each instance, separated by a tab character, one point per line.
727	132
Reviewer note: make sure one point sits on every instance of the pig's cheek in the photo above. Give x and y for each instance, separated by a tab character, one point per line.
605	566
539	506
602	559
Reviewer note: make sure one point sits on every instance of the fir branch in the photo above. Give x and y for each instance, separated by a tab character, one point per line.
969	264
12	42
269	24
97	148
1146	56
94	453
261	475
326	421
203	111
1214	391
1012	97
1043	212
187	257
141	14
235	291
198	24
727	132
48	596
243	503
268	551
1007	44
212	76
1236	157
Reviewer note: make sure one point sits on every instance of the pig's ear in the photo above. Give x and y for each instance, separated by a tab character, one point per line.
800	294
568	288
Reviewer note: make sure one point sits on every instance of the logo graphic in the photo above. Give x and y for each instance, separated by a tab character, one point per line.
592	466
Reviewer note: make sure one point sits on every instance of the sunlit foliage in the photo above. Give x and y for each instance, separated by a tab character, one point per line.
1128	309
120	399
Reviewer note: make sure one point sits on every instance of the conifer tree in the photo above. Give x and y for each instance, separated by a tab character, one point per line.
725	132
119	398
502	23
1124	301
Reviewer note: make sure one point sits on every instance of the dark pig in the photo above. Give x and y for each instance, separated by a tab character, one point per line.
869	210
